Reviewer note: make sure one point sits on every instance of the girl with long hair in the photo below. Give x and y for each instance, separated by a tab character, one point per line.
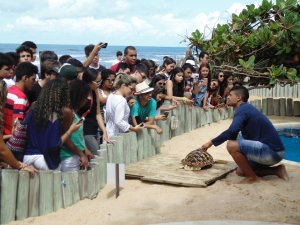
167	66
201	85
212	99
91	112
72	160
175	86
49	126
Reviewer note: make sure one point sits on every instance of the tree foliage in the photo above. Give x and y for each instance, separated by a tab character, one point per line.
261	42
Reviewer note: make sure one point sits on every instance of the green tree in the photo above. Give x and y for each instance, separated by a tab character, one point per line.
261	42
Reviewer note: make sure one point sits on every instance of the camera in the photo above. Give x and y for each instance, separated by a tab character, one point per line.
104	45
166	114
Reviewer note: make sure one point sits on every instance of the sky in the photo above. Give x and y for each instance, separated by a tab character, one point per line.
118	22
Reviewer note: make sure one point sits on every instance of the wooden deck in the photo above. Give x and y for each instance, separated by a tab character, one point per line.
167	169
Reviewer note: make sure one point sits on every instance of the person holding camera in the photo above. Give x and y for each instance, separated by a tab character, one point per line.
92	56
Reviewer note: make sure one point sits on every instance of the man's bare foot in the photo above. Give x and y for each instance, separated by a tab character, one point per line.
250	180
282	173
239	172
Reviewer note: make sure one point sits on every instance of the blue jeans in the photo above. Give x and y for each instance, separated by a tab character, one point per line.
259	154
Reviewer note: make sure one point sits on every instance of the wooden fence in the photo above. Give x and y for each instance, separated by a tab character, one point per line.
23	196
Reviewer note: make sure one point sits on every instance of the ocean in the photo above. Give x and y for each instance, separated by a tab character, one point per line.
108	54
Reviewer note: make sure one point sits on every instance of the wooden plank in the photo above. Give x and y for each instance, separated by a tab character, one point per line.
167	169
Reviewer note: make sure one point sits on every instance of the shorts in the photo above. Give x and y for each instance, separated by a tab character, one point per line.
259	154
70	164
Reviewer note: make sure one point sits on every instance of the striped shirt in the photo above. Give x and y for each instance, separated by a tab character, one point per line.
15	108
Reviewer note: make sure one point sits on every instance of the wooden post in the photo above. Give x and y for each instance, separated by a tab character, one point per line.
83	184
289	107
264	106
140	141
34	193
110	149
194	118
22	196
270	108
296	108
216	115
126	148
103	172
46	192
188	119
276	107
9	184
203	117
133	147
70	188
282	105
118	154
91	184
57	191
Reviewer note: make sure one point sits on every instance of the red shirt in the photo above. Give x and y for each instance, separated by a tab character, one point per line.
16	106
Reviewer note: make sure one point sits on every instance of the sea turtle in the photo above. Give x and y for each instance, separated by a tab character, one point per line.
197	159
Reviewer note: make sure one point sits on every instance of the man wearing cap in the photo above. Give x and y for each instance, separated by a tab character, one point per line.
68	72
144	108
49	71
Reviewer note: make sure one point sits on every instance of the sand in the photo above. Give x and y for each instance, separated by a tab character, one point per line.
271	199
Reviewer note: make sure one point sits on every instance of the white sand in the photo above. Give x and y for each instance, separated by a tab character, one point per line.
271	199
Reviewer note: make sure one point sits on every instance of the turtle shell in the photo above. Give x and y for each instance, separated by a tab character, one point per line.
197	159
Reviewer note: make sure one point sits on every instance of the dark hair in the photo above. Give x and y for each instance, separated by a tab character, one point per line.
44	55
209	77
157	78
75	62
168	61
88	49
29	44
156	91
129	48
178	88
241	91
188	66
52	99
142	68
5	60
119	53
47	66
64	58
90	75
121	66
237	83
14	57
202	54
105	74
24	48
79	90
25	69
223	84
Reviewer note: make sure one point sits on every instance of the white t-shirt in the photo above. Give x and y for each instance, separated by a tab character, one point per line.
117	115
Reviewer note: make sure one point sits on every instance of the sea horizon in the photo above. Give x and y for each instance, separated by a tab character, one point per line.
107	55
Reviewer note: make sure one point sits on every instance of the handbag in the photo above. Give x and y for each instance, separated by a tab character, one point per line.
17	142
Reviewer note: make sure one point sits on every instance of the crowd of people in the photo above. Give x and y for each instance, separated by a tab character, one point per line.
70	107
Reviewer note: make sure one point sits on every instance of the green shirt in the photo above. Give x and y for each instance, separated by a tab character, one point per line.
148	110
77	139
